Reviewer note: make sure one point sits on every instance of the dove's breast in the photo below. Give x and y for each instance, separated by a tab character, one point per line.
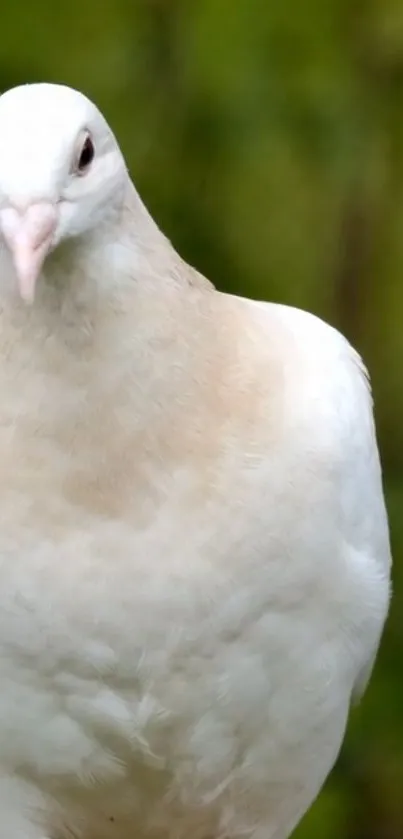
164	670
186	656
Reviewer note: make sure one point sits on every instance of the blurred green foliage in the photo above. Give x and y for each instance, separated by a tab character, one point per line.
267	140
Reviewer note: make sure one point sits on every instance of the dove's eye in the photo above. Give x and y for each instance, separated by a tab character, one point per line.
86	156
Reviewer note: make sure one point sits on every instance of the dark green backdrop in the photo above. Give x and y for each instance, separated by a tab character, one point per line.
267	139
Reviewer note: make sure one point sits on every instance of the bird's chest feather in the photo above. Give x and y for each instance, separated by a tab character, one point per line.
109	626
143	682
166	629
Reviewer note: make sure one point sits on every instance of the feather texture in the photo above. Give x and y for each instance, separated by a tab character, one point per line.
194	549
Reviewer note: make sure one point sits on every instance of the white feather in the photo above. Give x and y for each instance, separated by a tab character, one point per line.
194	550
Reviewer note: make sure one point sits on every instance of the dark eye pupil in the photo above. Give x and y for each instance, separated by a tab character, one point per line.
87	155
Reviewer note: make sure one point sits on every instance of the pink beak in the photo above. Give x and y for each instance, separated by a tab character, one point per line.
28	235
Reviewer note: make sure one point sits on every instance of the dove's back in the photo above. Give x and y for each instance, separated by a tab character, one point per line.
189	595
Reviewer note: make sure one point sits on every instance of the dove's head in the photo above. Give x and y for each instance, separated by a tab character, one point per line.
61	174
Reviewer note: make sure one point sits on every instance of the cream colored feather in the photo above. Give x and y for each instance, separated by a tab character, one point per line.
194	552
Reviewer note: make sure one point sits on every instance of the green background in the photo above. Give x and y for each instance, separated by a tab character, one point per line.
266	137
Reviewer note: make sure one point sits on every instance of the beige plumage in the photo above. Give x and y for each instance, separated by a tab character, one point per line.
194	553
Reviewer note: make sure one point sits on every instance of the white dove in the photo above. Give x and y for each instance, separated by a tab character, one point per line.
195	560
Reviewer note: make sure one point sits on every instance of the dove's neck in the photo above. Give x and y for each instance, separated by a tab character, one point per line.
120	319
128	279
128	259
